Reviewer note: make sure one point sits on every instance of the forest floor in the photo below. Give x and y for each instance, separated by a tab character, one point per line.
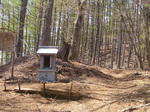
102	90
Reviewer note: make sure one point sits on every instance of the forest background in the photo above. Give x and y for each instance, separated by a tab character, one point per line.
113	34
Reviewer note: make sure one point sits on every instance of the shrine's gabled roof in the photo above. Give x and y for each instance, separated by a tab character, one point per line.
48	50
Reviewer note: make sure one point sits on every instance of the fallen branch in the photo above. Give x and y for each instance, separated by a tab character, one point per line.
134	108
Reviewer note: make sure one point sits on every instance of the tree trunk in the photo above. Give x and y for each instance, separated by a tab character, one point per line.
97	33
54	26
35	31
91	44
58	28
40	23
87	31
100	39
64	51
130	53
2	58
25	49
112	53
82	43
47	24
2	27
120	45
21	27
75	44
28	52
147	21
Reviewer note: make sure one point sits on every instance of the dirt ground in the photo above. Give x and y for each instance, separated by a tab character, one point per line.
102	90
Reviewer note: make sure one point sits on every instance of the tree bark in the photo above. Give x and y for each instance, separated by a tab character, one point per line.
54	26
97	33
40	23
112	53
120	45
58	27
25	49
64	51
21	27
130	53
47	24
100	39
147	42
75	44
87	30
91	44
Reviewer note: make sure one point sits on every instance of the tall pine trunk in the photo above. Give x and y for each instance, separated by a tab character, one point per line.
40	23
75	44
47	24
21	27
97	34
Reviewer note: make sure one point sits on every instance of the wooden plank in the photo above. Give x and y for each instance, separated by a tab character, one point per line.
43	88
49	92
61	94
26	90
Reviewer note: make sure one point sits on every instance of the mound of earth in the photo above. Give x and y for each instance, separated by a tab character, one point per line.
27	67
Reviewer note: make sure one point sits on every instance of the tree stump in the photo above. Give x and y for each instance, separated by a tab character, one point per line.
63	53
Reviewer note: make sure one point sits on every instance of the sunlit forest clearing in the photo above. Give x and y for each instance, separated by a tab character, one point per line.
74	55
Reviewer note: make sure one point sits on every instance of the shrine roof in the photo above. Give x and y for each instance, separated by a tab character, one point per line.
48	50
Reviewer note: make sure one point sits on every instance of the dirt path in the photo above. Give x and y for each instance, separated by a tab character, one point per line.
102	90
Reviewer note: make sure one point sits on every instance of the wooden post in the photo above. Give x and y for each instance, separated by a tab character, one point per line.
5	84
43	88
19	85
12	65
70	91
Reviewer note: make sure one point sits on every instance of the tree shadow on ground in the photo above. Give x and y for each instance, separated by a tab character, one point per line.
76	70
138	94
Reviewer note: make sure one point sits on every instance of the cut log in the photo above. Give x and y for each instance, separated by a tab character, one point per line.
62	94
52	93
26	90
